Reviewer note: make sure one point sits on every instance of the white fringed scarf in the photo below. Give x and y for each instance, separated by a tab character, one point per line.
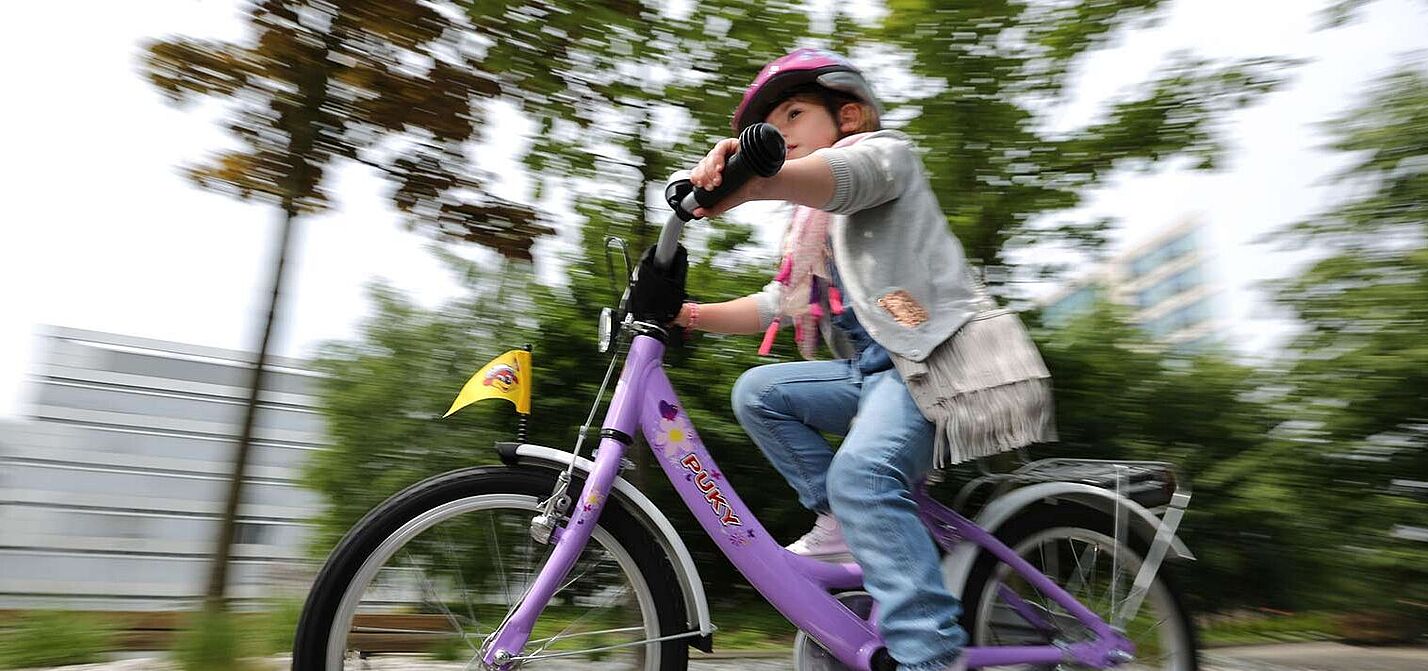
986	388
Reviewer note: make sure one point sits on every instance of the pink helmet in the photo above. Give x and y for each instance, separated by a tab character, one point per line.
801	66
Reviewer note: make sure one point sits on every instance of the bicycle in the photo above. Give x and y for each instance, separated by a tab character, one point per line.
500	567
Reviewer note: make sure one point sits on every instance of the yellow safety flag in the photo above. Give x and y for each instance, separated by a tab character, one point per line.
507	376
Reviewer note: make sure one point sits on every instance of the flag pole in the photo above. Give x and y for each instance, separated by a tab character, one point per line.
524	421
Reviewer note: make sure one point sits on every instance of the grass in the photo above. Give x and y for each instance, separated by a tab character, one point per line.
233	641
744	625
751	625
274	627
38	639
53	638
210	642
755	626
1256	628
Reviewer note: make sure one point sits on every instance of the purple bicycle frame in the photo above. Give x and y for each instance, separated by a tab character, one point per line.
799	588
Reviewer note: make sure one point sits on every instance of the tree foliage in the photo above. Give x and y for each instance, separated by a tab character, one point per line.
1119	395
391	85
622	93
1359	367
388	84
999	70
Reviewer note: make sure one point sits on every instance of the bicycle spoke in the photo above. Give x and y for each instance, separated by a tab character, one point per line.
562	634
587	613
587	570
391	630
431	583
1153	625
1091	560
1051	567
1047	603
1082	578
578	634
460	582
531	574
450	616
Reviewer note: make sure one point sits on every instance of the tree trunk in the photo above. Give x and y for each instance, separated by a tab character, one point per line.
214	597
300	182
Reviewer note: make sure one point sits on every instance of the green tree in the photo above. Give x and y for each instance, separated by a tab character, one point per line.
994	168
384	393
623	93
1359	368
385	84
1121	396
609	133
996	69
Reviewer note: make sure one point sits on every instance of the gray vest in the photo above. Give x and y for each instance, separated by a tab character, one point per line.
906	278
903	272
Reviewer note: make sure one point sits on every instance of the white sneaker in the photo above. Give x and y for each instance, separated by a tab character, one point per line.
823	542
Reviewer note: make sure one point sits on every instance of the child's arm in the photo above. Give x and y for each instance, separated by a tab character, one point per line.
802	181
738	317
841	180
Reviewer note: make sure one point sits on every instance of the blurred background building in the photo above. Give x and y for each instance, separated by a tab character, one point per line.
112	486
1163	282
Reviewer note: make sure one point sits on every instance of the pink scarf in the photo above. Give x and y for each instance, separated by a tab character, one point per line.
804	276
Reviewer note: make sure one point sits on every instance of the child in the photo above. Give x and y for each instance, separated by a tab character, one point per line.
883	284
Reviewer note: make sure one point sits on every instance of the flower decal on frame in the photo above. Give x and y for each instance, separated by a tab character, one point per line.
589	504
739	536
675	434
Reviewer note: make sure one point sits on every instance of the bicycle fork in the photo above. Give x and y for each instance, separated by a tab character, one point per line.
506	643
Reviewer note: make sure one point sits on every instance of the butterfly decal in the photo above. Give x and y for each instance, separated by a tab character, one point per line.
668	411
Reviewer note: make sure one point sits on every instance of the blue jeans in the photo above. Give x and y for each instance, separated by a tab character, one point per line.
867	484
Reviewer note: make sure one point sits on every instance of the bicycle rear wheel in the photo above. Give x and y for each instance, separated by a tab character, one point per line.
423	580
1075	546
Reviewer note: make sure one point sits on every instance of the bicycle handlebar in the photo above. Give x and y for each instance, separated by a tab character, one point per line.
761	152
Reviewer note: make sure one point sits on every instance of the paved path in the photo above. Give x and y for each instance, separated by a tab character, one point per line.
1282	657
1322	656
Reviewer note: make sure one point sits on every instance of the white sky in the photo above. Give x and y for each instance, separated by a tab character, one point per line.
99	231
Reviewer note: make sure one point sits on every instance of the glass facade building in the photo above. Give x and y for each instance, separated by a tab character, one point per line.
112	487
1162	282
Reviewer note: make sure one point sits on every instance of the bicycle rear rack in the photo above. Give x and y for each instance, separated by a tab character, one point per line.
1152	484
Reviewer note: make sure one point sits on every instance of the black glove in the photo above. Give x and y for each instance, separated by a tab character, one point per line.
657	294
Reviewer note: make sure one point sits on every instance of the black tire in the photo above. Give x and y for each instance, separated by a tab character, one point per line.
1040	523
453	490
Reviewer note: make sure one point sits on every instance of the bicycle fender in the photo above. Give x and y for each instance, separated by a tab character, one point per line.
957	564
696	604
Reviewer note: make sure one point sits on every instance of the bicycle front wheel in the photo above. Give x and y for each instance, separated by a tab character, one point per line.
424	580
1076	548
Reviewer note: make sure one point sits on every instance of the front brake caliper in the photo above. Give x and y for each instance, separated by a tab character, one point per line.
552	510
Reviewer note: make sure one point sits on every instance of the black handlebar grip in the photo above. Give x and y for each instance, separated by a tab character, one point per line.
761	152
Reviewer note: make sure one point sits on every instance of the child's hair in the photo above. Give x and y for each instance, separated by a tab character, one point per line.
833	101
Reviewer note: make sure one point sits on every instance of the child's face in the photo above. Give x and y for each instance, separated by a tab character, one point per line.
806	126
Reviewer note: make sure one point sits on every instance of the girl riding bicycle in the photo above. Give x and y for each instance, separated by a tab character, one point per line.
871	269
552	557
